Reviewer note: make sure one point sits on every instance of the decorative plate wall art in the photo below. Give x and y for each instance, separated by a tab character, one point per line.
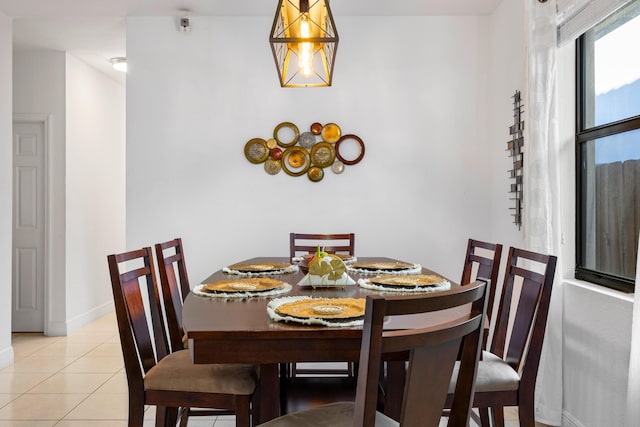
306	152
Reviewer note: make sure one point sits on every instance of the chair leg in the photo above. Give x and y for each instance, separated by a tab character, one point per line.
166	417
498	416
243	415
526	415
184	417
484	417
136	414
255	407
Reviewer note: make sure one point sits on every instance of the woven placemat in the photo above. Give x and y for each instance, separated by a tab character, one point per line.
260	269
285	288
378	268
445	285
318	311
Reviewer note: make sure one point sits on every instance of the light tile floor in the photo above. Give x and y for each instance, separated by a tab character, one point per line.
79	381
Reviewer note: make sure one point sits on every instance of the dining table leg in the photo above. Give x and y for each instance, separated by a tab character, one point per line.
268	393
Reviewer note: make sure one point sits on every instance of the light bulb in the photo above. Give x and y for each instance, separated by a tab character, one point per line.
305	49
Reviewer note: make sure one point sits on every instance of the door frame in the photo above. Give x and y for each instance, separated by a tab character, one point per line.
45	119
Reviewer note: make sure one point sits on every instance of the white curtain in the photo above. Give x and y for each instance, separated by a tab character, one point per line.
633	393
541	220
577	16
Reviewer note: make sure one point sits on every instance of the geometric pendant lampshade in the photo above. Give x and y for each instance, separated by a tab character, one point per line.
304	41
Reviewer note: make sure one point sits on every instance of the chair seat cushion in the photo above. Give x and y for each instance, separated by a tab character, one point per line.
176	372
338	414
494	374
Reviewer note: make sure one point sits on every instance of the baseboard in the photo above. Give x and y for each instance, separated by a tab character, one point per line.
6	357
570	421
56	329
84	319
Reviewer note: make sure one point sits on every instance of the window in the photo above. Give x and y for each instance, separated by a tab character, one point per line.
608	150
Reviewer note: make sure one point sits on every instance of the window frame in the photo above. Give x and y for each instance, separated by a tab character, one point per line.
584	135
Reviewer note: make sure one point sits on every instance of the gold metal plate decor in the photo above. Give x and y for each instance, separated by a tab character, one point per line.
296	158
296	161
316	128
315	173
250	284
307	140
337	167
331	133
256	150
261	267
332	309
323	154
418	280
284	125
272	167
303	153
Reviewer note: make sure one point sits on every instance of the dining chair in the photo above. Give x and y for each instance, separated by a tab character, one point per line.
156	377
306	243
482	262
175	288
507	371
433	351
332	243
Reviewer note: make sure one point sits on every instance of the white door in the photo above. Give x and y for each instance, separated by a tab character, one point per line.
28	227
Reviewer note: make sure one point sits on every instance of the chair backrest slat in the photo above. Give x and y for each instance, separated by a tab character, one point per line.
523	331
432	353
139	334
484	259
174	291
308	243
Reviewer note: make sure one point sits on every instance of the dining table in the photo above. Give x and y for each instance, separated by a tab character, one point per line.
239	330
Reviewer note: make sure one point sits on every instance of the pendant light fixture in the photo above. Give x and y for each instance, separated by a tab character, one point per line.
304	41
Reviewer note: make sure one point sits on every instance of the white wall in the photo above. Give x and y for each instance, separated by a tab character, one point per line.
506	74
39	88
413	88
95	184
86	188
6	192
597	328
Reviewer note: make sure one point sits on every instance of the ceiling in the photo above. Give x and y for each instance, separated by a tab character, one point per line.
94	30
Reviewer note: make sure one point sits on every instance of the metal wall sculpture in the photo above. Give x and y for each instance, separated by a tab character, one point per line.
309	152
515	151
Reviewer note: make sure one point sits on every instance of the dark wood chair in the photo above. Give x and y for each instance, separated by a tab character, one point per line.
433	351
167	380
301	243
482	262
175	288
507	372
306	243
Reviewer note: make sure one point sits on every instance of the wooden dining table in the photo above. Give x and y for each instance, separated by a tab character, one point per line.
239	330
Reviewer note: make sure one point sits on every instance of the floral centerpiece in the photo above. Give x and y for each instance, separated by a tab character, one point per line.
326	270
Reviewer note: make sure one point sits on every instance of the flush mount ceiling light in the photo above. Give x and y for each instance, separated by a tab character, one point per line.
304	41
119	64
